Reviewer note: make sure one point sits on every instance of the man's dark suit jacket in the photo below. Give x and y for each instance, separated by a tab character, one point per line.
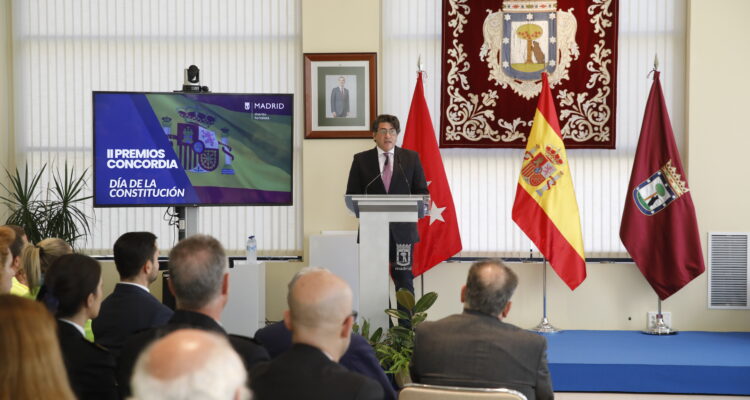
408	178
305	372
478	350
359	357
249	350
129	309
91	368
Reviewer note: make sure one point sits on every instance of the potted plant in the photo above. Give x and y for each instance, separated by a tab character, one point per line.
394	349
52	211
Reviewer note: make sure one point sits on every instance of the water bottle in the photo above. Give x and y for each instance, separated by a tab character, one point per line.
251	250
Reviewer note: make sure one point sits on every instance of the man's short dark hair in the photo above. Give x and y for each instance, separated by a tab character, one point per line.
488	292
132	250
196	268
391	119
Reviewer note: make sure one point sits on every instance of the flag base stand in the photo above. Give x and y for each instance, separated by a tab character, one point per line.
545	327
660	328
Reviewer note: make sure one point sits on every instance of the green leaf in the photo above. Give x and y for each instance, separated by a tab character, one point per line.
425	302
400	332
398	314
418	318
376	336
365	328
405	299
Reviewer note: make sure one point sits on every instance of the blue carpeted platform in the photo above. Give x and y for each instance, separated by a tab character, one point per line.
629	361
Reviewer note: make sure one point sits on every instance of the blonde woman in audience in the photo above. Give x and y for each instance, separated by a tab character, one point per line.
36	259
74	282
7	236
30	363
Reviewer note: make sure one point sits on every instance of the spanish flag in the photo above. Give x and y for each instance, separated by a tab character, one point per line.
545	207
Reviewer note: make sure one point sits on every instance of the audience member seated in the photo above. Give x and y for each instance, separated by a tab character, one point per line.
7	236
74	282
199	280
359	356
19	286
320	318
476	348
190	364
37	258
31	366
131	307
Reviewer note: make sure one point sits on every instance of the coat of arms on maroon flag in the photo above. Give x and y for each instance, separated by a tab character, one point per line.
494	52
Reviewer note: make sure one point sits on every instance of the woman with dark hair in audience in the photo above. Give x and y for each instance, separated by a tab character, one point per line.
74	282
30	363
36	259
7	236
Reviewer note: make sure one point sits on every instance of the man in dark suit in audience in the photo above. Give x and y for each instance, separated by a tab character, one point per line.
476	348
131	307
320	317
199	280
359	356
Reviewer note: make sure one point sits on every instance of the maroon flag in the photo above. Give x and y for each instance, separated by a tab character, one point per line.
659	228
439	238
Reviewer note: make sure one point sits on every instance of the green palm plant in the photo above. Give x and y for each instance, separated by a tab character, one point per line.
54	211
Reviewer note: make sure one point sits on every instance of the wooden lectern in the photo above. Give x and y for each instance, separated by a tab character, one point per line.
375	213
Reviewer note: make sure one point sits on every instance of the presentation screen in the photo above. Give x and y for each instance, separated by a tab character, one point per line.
180	149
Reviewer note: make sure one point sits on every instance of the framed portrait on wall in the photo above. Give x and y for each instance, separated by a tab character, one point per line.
340	95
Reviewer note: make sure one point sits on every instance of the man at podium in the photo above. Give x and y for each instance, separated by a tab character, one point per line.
387	169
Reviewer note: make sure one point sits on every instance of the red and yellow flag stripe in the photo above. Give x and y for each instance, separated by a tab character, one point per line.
547	211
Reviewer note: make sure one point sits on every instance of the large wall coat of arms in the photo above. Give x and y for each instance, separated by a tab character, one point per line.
494	53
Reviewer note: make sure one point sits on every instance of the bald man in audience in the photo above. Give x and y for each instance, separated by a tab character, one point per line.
199	280
190	364
359	356
320	317
476	348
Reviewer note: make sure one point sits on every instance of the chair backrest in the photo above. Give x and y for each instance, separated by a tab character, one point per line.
416	391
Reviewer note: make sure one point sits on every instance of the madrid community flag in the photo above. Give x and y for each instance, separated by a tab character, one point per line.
439	238
545	207
659	228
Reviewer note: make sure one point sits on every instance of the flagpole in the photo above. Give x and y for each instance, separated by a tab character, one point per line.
660	328
544	326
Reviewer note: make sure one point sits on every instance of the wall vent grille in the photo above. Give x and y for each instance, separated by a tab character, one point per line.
728	284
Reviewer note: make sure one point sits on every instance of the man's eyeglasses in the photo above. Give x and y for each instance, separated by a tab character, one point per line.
354	316
388	132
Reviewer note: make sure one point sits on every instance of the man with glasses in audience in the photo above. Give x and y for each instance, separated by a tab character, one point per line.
320	318
388	169
359	356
